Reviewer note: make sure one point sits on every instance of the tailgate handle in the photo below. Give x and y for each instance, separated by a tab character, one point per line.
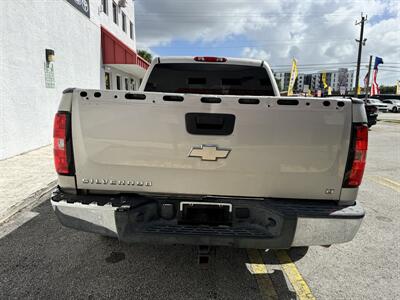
210	124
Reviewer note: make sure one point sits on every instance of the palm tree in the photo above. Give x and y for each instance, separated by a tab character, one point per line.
145	55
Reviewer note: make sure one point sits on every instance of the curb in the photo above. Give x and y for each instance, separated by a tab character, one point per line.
33	200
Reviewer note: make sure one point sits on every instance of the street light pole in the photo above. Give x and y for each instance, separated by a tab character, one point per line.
361	42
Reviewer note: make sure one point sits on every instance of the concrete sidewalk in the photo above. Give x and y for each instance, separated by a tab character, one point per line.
22	176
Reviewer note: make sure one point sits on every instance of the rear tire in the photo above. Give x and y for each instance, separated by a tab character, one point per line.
297	253
394	109
107	238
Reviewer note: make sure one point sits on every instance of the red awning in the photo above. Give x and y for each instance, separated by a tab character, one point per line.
115	52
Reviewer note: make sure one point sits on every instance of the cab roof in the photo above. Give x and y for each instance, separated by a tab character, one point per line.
191	59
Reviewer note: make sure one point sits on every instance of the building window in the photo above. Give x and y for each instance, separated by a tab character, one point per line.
115	13
118	78
131	29
104	3
126	84
123	22
107	80
132	84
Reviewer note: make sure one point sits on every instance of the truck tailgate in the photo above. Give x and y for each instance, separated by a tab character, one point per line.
280	147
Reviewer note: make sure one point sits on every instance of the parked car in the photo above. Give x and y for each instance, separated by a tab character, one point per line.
207	152
382	107
392	104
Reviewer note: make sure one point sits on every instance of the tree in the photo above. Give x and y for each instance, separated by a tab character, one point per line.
387	89
145	55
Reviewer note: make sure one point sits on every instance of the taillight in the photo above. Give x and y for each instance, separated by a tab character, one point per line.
210	59
62	144
358	157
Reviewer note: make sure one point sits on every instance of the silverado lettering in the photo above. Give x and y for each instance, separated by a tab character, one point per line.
116	182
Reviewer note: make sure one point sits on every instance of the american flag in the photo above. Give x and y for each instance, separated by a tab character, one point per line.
375	87
366	80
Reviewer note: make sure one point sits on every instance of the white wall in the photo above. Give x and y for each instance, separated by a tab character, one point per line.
27	28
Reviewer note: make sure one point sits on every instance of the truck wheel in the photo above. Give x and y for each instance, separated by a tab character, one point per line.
297	253
107	237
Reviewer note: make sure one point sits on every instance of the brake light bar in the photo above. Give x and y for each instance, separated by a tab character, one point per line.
210	59
62	147
354	175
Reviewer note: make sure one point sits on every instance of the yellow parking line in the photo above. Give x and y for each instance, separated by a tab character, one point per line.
390	121
386	182
260	271
294	276
391	181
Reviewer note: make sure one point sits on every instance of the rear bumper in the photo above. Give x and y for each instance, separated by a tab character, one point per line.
269	224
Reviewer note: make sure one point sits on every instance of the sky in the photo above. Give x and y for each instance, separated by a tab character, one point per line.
319	34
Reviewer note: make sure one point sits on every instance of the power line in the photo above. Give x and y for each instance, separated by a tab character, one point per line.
265	45
277	14
314	68
316	64
145	22
328	67
390	67
234	2
386	70
185	2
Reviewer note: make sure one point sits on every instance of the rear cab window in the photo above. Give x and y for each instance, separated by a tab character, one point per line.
205	78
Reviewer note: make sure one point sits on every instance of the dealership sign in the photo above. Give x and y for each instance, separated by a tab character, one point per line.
82	6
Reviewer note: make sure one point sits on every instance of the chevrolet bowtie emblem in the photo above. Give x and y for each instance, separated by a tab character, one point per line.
209	152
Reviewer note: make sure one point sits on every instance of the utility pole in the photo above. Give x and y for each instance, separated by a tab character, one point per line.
361	42
369	76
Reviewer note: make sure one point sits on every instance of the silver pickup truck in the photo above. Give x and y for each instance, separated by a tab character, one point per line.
208	153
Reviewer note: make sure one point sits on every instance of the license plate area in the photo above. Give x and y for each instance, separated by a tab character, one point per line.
205	213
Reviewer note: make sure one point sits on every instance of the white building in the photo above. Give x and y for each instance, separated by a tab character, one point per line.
283	79
340	78
334	78
300	81
315	81
49	45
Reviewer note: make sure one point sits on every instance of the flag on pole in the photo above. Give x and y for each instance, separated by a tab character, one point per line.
366	81
324	80
375	87
293	76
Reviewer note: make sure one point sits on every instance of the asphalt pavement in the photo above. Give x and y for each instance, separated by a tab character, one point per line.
40	259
